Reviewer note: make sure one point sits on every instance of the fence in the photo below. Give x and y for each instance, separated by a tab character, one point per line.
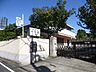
79	49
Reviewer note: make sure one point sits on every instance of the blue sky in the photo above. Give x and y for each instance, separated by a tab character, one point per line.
13	8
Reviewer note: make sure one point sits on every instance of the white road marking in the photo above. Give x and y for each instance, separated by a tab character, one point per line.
6	67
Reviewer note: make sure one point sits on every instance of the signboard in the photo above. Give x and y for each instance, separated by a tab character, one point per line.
19	21
34	32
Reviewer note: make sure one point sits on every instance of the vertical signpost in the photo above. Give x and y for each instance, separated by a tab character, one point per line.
36	33
20	23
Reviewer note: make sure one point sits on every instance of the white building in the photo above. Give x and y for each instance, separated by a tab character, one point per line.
65	36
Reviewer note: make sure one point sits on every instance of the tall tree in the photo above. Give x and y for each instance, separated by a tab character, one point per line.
87	16
51	17
81	34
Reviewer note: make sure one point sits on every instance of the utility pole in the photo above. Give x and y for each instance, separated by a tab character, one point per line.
22	25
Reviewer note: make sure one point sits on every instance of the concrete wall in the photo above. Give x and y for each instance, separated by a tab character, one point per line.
19	50
10	49
42	47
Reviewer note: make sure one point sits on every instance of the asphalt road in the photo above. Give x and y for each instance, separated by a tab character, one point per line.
9	67
3	69
6	64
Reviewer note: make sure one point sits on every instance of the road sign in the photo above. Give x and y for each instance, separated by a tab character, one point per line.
19	21
34	32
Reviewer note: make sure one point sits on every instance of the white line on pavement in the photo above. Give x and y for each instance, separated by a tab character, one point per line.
6	67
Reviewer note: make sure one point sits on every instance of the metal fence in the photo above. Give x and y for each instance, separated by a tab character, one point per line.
79	49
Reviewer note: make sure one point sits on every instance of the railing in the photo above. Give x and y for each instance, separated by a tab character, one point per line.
80	49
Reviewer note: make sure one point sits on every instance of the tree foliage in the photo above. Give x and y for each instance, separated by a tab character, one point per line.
81	34
11	28
51	17
87	16
8	33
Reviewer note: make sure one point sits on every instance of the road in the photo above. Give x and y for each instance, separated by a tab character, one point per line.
9	66
3	69
58	64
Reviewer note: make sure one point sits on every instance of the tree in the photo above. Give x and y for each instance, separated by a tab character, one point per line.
87	16
81	34
11	28
53	17
8	33
2	35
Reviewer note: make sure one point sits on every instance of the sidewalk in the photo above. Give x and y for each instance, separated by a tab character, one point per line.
61	64
58	64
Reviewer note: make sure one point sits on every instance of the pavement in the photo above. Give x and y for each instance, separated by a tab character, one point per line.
57	64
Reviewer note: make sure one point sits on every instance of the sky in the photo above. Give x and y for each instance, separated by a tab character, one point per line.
14	8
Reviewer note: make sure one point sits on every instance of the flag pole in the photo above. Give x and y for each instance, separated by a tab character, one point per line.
22	25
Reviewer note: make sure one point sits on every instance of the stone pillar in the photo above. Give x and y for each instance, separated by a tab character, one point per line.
53	47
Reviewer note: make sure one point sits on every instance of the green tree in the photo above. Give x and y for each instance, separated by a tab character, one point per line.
51	17
11	28
2	35
81	34
87	16
8	33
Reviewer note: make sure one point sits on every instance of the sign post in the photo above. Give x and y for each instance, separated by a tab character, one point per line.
20	23
36	33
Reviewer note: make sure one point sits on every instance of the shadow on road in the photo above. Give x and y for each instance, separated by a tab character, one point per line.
41	68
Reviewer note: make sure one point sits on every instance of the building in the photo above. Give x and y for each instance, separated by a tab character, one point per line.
3	22
65	36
